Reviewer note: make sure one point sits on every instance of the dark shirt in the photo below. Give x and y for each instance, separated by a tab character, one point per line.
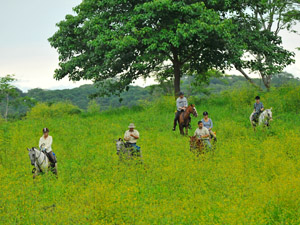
258	107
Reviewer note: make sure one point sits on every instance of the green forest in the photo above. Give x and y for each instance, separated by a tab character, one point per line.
82	96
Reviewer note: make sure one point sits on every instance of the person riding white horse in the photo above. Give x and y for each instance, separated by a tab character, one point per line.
45	145
258	109
264	118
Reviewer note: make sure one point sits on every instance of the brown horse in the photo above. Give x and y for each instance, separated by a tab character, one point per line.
184	118
196	146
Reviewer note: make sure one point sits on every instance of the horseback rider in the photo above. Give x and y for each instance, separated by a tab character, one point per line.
208	123
131	136
45	145
202	133
258	109
181	104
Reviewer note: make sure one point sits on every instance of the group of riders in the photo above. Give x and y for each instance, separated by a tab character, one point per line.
203	132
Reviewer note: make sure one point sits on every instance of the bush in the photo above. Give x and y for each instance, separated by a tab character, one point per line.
162	104
43	110
240	97
93	107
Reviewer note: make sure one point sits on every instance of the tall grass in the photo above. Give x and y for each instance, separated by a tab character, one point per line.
252	178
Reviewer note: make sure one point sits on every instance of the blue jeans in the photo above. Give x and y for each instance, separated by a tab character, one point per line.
137	148
207	143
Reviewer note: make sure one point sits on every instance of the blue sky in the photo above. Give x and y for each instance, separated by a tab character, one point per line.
25	27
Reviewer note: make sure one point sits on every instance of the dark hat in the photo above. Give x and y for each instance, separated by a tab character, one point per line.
45	130
257	97
205	113
181	93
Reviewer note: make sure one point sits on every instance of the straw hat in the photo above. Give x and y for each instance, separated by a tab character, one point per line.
131	125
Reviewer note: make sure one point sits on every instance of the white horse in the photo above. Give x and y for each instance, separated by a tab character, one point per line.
264	118
124	151
40	161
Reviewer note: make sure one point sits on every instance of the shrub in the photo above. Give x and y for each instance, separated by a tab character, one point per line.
93	107
43	110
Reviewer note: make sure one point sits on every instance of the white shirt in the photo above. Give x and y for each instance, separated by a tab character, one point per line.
201	132
47	142
181	102
129	138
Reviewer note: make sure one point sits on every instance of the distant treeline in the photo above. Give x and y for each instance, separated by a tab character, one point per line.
81	96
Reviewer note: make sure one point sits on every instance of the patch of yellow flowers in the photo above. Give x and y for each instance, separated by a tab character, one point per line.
250	178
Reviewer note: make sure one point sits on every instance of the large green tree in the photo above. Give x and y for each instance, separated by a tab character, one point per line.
260	23
118	41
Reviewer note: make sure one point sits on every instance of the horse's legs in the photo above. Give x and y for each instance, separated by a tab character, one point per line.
181	129
186	131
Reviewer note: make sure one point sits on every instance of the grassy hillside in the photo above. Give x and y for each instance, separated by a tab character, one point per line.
252	178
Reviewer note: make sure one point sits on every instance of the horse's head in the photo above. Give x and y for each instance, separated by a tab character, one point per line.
193	110
119	144
269	114
193	139
32	155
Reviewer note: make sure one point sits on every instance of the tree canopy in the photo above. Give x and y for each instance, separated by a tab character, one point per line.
260	25
124	40
115	42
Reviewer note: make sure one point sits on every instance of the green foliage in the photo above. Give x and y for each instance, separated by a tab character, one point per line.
93	107
82	95
259	26
44	111
285	99
239	98
7	91
115	42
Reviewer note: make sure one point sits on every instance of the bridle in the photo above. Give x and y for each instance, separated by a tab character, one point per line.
195	113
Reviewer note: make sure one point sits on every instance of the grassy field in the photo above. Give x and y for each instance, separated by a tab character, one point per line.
252	178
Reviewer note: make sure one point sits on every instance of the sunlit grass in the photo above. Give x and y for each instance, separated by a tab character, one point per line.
251	178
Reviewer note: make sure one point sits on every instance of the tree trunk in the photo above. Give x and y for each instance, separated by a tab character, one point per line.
177	74
6	110
267	81
248	78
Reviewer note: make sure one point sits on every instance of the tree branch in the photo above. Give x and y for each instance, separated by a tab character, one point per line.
247	77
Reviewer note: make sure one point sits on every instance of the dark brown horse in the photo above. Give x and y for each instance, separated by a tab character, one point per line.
196	146
184	118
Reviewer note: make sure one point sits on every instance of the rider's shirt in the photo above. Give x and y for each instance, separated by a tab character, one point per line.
258	107
181	102
47	142
130	138
208	124
201	132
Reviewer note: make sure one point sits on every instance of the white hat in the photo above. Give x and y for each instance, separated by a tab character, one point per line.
131	125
